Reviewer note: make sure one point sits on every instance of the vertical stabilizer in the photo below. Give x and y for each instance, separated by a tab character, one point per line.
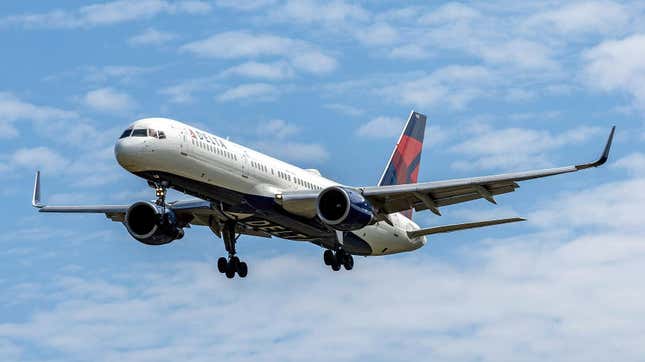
403	166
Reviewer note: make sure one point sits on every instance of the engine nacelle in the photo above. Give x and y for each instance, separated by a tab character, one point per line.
148	223
344	209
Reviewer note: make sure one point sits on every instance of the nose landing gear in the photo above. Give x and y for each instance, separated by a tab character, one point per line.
161	190
232	265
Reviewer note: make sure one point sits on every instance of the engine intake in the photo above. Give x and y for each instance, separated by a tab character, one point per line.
344	209
149	224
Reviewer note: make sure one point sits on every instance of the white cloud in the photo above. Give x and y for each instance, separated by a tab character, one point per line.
515	148
270	71
436	135
381	127
256	91
237	44
377	34
13	109
109	100
242	44
552	298
519	53
277	128
275	138
485	33
106	13
451	86
345	109
39	158
183	92
244	5
634	163
325	12
314	62
589	17
409	52
614	205
618	65
152	36
295	151
450	13
120	73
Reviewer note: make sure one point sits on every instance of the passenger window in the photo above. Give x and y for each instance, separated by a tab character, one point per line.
126	133
140	132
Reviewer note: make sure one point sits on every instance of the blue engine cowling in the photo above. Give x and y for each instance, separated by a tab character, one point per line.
344	209
149	224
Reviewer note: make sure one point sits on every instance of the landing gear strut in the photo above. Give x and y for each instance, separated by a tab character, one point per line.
338	258
233	264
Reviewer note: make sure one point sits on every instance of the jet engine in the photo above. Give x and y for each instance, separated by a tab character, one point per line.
344	209
151	224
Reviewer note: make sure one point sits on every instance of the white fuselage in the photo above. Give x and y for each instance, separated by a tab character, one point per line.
200	156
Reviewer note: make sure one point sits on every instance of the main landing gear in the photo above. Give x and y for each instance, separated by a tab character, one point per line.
233	264
338	258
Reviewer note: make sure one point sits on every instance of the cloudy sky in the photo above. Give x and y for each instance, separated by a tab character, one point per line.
506	87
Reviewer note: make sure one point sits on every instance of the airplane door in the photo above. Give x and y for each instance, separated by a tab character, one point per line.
184	144
245	164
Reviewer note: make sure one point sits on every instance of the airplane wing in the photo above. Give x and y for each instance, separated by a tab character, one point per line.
433	195
191	212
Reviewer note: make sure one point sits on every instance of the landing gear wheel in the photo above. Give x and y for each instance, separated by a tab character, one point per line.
335	266
242	269
328	257
348	263
230	269
341	256
235	261
222	264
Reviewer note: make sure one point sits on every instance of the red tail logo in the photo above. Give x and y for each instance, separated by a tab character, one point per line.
403	167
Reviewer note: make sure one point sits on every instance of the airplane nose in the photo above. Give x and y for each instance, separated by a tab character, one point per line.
127	154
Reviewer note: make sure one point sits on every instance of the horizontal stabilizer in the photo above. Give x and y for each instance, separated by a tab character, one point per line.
457	227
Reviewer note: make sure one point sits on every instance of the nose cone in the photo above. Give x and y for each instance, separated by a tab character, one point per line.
128	154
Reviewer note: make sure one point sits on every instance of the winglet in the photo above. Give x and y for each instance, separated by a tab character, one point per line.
35	201
605	154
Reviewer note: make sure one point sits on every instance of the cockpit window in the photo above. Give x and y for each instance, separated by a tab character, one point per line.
140	132
143	132
126	133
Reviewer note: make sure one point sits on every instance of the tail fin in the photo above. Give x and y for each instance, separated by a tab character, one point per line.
403	166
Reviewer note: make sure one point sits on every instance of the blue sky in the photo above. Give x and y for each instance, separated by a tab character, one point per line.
506	87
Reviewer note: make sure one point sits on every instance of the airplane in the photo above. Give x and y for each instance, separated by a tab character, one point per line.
238	191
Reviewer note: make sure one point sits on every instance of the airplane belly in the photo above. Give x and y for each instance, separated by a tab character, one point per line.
385	239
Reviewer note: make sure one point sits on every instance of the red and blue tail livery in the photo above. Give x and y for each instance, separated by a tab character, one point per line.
403	166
